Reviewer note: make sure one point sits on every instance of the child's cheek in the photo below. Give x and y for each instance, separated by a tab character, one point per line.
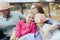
42	21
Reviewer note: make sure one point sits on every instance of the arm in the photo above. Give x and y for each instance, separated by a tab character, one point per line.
6	24
9	22
54	27
15	16
55	24
13	36
21	17
18	28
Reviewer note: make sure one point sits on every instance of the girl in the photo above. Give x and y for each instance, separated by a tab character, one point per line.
25	28
43	28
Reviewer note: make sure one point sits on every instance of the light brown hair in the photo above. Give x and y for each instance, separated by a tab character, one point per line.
39	7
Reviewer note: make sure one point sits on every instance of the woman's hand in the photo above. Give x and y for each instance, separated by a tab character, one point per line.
54	27
17	38
13	36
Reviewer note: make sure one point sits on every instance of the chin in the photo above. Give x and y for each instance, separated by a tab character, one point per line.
28	21
35	22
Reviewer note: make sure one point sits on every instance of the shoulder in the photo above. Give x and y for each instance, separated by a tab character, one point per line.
46	26
15	13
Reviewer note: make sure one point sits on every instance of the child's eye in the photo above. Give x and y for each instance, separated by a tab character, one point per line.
29	17
33	18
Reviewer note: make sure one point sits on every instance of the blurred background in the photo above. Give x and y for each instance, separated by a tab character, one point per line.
51	7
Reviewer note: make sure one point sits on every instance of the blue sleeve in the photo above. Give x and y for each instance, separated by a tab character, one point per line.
53	22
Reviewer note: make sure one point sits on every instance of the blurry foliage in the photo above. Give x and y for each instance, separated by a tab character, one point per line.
15	7
26	6
57	7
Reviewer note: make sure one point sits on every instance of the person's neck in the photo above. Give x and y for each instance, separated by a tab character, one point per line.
6	16
40	25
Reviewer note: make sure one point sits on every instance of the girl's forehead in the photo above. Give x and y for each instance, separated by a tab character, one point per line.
30	15
40	16
32	6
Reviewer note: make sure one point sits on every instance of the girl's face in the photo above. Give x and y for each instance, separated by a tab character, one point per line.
33	9
29	18
39	19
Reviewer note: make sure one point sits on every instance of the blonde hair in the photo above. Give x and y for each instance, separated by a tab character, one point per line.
30	14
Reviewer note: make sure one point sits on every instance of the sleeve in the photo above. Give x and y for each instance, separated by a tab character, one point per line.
53	22
33	27
18	26
21	17
50	21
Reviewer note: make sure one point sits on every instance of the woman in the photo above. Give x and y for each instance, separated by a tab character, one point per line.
37	8
45	29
